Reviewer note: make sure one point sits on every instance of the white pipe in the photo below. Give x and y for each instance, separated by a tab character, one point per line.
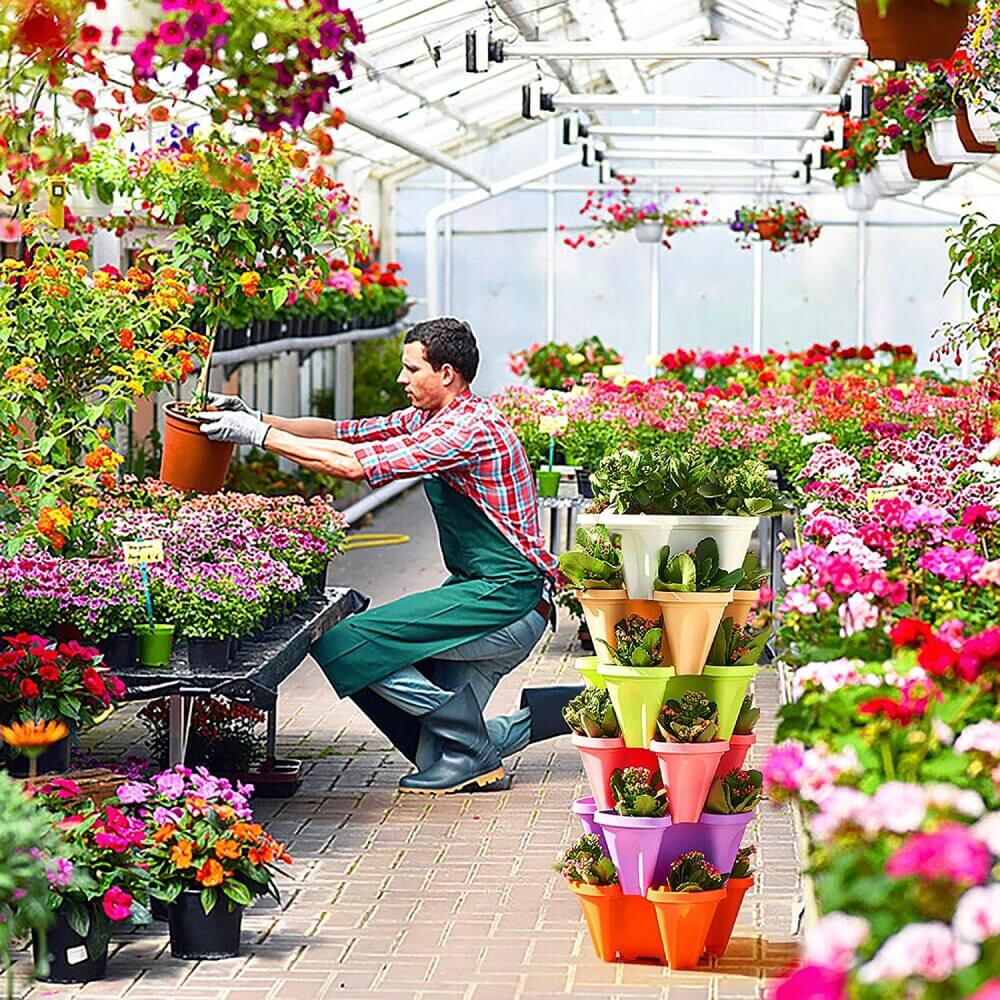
802	102
655	251
625	153
709	50
436	214
386	134
758	297
651	131
862	279
550	240
376	498
689	175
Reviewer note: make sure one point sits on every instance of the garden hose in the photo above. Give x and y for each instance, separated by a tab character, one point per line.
373	541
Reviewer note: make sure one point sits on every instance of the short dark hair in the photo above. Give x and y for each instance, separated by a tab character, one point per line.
447	341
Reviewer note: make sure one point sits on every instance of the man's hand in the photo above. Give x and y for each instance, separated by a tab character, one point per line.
231	404
233	428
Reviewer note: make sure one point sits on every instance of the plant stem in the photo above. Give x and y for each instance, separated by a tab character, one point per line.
887	762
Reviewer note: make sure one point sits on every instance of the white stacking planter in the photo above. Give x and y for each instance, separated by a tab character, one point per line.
644	535
893	175
945	144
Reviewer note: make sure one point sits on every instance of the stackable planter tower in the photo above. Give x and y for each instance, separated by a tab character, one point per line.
622	918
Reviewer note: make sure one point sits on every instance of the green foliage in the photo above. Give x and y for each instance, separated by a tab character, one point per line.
587	441
586	862
596	564
694	572
754	575
739	645
747	719
638	642
735	792
638	791
260	474
550	366
693	872
591	714
742	865
692	718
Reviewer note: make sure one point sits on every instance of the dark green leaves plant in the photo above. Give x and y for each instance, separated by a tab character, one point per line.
596	563
692	718
591	714
694	572
739	645
638	791
736	792
586	862
693	872
639	642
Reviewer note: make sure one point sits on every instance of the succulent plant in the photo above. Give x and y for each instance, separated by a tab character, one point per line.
747	719
638	642
741	866
739	645
754	575
692	718
591	714
693	872
596	563
736	792
638	791
586	862
695	571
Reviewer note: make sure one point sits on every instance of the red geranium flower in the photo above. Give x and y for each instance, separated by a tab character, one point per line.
29	689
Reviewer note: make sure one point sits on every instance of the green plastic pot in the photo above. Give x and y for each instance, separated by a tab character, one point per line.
726	686
548	483
156	643
588	667
637	695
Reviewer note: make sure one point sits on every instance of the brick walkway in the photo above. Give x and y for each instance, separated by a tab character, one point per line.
453	898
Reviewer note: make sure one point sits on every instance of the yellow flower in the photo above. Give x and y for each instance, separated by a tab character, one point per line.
33	735
90	502
165	166
575	358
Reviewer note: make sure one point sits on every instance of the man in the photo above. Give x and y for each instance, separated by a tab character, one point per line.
423	667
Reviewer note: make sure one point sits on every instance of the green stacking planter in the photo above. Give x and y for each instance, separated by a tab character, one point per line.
726	686
590	670
637	695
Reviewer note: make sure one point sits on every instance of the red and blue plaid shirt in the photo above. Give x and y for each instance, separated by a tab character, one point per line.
472	448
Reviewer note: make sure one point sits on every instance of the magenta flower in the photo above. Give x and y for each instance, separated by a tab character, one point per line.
117	904
812	982
170	33
950	853
784	766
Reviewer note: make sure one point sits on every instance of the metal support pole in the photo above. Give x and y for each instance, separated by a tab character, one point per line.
604	50
449	254
758	297
272	731
656	252
343	382
862	302
181	708
791	102
550	240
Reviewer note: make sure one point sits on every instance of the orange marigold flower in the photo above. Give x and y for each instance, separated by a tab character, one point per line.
210	874
126	339
227	849
180	853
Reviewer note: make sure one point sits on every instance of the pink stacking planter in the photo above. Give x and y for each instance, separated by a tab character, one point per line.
688	770
735	757
602	756
584	808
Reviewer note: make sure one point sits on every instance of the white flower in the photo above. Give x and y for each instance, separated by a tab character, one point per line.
942	732
988	831
941	795
896	806
902	470
983	736
977	916
856	615
834	940
930	951
991	452
820	437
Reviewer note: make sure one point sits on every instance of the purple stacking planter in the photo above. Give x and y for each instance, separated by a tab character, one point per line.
634	843
721	836
585	809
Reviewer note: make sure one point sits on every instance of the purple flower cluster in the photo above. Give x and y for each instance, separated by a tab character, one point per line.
165	793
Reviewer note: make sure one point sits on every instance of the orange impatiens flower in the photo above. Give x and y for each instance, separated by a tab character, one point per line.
33	735
227	849
247	831
165	832
180	854
210	874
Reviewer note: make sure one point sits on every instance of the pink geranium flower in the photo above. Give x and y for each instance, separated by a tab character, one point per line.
950	853
929	950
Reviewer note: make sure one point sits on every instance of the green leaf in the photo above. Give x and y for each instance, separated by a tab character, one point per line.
237	892
77	916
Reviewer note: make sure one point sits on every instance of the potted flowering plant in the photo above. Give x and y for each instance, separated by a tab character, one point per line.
742	738
919	31
729	809
779	224
738	884
551	366
66	682
594	568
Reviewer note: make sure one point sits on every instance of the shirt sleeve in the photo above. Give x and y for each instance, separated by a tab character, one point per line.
376	428
436	447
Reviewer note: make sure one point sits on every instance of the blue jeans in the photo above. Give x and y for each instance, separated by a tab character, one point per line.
480	664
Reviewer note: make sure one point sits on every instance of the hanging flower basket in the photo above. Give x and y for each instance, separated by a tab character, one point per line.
923	168
781	225
912	30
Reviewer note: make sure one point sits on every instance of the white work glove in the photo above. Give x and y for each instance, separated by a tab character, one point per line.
232	404
233	428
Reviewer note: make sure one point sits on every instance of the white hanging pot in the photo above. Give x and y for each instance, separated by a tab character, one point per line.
894	176
945	145
985	124
650	231
856	198
870	187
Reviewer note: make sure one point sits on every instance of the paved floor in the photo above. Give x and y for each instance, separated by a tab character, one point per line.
409	898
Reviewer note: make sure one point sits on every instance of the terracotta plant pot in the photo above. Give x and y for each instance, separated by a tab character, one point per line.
735	757
603	609
688	770
726	686
601	757
685	919
190	461
637	696
619	925
743	602
585	808
966	133
725	916
689	624
769	230
923	168
634	845
913	30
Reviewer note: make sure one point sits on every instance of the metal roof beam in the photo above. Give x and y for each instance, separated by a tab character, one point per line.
803	102
658	132
696	156
709	50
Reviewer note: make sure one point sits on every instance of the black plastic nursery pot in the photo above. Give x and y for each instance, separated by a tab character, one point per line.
208	654
583	485
120	651
197	935
67	955
52	760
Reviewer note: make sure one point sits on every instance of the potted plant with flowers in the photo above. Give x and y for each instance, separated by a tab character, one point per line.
552	366
63	682
913	30
738	884
742	738
594	568
779	224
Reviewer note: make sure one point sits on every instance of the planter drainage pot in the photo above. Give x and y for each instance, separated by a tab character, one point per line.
735	757
726	686
208	654
190	461
722	836
983	123
637	696
688	770
585	808
193	934
725	916
913	30
619	925
52	760
742	604
601	757
974	140
923	168
120	651
548	483
649	232
945	145
588	667
634	845
690	622
685	919
67	954
156	643
643	535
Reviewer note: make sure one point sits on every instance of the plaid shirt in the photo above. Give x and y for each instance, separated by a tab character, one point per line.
472	448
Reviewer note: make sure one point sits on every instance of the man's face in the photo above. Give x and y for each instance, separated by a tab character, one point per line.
425	387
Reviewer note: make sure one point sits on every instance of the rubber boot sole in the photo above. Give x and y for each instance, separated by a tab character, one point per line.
481	781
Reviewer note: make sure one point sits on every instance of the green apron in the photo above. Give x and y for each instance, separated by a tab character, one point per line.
491	585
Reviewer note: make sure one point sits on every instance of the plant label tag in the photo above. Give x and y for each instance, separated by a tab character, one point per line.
74	956
874	495
553	423
148	551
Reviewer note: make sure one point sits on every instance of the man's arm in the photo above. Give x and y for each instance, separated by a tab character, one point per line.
358	431
332	458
